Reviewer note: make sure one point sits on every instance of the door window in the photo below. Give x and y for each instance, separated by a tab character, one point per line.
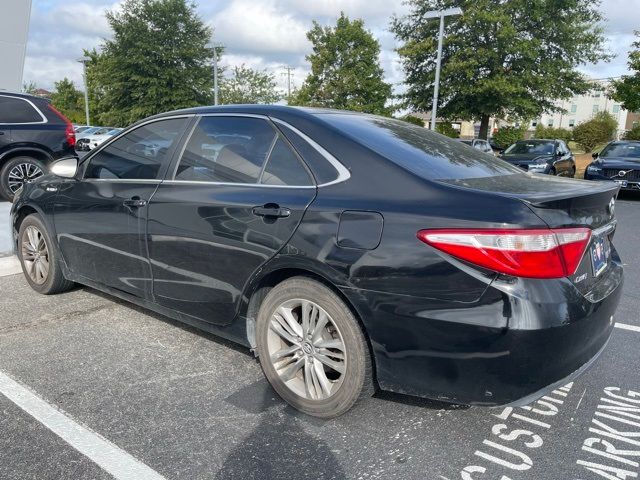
139	154
227	150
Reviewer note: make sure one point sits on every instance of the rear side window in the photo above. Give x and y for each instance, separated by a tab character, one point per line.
284	167
322	169
18	110
139	154
418	149
227	150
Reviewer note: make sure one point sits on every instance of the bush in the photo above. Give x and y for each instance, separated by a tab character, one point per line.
412	119
554	133
506	136
600	129
633	134
445	128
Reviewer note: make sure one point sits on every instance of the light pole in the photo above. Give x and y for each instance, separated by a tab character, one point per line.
84	61
439	14
215	47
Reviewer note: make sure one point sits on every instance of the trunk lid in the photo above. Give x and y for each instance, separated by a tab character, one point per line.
562	202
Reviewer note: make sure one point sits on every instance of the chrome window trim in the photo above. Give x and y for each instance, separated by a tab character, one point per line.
231	184
122	180
343	172
105	144
33	105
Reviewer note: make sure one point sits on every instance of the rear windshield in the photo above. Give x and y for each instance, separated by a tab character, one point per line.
530	146
624	150
418	149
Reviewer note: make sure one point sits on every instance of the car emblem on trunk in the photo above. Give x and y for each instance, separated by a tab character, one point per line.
612	206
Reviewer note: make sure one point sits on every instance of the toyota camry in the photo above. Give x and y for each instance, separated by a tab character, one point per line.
350	252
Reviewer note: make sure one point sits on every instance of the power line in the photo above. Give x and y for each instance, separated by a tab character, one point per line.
289	74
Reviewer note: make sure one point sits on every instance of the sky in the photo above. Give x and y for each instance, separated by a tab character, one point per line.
264	34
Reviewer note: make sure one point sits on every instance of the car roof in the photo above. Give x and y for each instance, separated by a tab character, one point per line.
26	96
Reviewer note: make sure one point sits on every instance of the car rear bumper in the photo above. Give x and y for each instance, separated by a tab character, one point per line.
511	346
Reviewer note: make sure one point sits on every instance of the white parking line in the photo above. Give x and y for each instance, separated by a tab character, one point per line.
625	326
9	266
99	450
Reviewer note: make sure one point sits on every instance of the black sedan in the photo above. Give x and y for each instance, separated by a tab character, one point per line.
618	162
552	157
349	252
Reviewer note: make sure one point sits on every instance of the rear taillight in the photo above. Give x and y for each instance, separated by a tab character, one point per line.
540	253
69	131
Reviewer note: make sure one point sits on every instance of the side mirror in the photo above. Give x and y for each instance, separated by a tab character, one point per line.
595	155
65	168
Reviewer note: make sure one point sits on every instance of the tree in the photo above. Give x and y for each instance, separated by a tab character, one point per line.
506	136
500	58
157	60
445	128
246	85
627	89
413	119
633	134
68	100
591	133
553	133
30	87
345	69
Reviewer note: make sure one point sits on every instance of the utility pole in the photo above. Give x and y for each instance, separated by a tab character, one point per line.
215	47
289	73
84	61
439	14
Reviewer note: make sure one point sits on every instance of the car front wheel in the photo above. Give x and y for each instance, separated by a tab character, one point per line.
312	349
39	258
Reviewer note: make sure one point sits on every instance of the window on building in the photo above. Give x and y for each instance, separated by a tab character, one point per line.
596	108
572	122
615	109
534	124
574	108
550	123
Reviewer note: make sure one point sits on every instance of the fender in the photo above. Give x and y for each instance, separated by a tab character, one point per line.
25	149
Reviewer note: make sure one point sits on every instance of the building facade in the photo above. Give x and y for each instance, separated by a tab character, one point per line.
583	107
14	30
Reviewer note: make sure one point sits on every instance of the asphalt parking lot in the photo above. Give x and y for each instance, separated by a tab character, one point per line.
165	401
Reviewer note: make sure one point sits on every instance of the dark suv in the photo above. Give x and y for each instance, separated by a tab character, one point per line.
32	134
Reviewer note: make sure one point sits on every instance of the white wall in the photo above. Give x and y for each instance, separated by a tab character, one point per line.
583	107
14	30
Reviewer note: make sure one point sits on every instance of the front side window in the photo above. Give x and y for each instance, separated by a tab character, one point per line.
17	110
138	155
530	147
227	150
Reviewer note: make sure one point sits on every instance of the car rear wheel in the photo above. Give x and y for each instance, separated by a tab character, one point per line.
18	171
39	258
552	171
312	349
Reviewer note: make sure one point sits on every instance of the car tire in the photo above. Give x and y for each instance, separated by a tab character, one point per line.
27	167
39	258
572	174
552	171
316	388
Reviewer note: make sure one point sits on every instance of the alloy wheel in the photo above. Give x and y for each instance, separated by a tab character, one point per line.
306	349
35	255
23	173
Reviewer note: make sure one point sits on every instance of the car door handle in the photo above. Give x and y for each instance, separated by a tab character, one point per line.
135	202
271	211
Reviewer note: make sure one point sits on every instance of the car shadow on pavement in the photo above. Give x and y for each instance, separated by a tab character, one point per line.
278	447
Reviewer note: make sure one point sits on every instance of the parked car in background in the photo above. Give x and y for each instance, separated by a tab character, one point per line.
84	142
32	135
81	128
619	162
552	157
348	251
92	141
479	144
92	131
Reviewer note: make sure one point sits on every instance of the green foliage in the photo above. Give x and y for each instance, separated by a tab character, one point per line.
633	134
246	85
413	119
157	60
345	69
29	87
69	100
506	136
445	128
500	58
627	89
600	129
553	133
